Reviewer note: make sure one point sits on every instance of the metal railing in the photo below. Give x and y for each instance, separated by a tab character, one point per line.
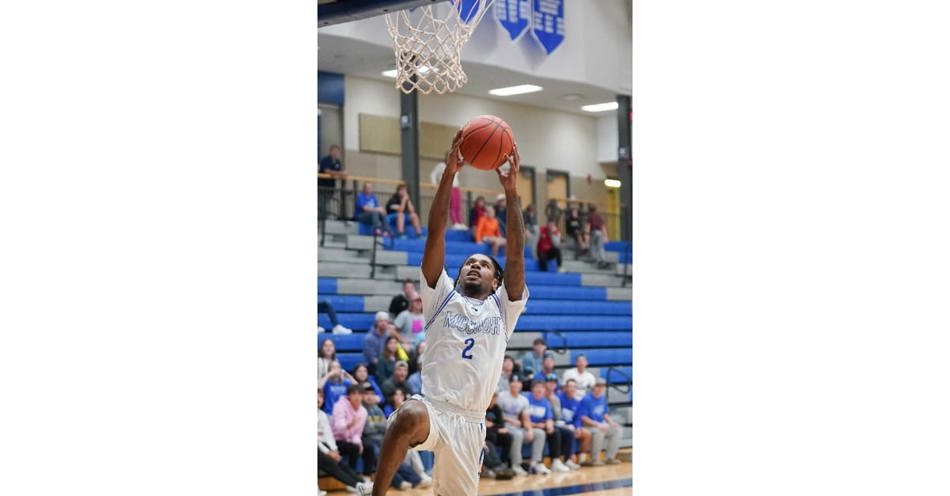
622	387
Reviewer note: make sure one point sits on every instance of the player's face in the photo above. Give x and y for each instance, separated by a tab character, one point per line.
478	274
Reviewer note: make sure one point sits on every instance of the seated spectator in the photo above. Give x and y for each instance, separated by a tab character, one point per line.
547	367
541	416
567	431
348	422
373	433
327	308
570	414
411	323
514	408
328	454
386	363
476	213
375	340
597	229
415	379
531	231
531	360
488	231
400	206
326	355
508	367
585	380
549	247
553	211
334	384
400	302
501	212
361	374
369	212
412	461
497	438
575	231
397	380
593	412
414	364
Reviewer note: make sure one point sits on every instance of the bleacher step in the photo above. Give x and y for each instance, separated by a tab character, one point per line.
340	227
344	269
338	254
605	280
368	287
619	294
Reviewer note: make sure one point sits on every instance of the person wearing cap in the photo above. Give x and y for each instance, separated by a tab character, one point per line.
374	340
567	430
570	408
585	380
547	367
531	360
594	416
411	323
514	407
348	420
398	379
541	416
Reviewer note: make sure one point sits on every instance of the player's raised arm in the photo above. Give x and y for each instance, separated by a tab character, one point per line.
514	263
433	260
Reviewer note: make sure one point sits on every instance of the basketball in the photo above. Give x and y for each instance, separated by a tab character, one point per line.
486	142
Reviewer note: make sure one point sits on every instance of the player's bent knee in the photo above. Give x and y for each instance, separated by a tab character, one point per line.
413	420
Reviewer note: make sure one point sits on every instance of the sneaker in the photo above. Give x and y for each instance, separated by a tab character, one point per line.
320	330
362	488
558	466
426	481
612	461
339	329
405	486
487	474
460	227
540	469
321	493
518	470
571	465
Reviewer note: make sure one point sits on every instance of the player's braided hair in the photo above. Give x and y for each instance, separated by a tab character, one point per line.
499	272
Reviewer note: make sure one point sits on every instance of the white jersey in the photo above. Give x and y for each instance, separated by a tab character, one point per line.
466	340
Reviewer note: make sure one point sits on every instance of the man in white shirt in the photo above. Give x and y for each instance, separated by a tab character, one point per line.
469	322
584	379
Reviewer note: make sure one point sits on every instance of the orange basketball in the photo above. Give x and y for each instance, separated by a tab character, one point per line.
486	142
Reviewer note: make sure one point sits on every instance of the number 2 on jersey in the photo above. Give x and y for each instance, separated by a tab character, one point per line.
470	342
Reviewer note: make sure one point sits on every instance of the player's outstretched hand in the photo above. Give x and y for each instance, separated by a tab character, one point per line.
509	179
452	162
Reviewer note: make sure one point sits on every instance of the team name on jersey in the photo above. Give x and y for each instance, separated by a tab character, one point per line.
491	326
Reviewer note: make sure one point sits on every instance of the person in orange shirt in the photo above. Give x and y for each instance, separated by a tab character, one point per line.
488	231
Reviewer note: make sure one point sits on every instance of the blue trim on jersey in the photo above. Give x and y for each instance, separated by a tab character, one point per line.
441	307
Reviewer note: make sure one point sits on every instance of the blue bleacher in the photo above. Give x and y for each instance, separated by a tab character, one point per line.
346	342
589	339
343	303
537	306
602	357
326	285
364	320
617	375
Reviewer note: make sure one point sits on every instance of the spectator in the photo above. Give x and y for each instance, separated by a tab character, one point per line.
375	340
328	454
455	200
497	438
508	367
597	229
514	408
387	360
413	459
335	384
415	363
327	308
594	416
549	246
414	382
488	231
531	231
552	211
566	430
369	212
541	416
501	212
326	355
400	302
531	360
397	380
373	434
361	374
585	380
411	323
400	206
476	213
327	187
547	367
349	420
570	413
575	230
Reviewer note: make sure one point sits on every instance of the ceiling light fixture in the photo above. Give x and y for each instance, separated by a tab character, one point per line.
612	183
390	73
515	90
600	107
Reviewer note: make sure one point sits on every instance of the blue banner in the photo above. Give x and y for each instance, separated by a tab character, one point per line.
547	23
467	9
514	16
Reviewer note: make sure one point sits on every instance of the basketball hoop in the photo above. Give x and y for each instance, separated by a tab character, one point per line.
427	42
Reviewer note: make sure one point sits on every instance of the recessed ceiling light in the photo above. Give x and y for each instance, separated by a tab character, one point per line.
600	107
390	73
612	183
515	90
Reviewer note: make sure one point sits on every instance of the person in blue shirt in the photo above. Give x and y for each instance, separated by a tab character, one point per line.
334	385
570	414
375	340
368	210
542	417
594	416
567	432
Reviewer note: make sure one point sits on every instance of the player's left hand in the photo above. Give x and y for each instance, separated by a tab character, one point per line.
509	180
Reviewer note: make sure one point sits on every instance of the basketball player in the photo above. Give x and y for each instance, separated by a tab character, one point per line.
469	322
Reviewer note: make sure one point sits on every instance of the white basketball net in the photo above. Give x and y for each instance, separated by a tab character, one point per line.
428	45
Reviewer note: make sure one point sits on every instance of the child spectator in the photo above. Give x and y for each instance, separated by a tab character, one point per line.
334	384
328	454
326	355
361	374
349	420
